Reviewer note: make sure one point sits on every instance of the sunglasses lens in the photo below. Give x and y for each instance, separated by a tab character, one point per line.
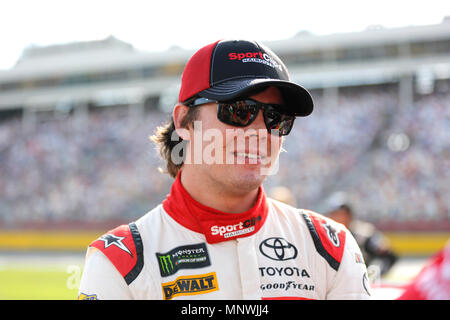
242	113
280	122
239	113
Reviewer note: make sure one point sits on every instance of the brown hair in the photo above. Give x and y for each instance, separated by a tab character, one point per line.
166	138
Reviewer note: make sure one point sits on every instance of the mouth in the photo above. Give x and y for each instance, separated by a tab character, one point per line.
248	155
248	158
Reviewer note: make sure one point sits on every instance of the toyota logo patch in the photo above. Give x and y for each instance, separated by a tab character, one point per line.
278	249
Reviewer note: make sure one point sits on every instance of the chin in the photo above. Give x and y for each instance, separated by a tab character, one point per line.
236	178
247	179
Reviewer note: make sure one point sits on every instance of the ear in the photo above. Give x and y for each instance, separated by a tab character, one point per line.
178	114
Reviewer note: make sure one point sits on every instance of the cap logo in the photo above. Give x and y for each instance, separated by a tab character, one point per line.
255	57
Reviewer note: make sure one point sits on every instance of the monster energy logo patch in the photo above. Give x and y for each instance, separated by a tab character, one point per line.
184	257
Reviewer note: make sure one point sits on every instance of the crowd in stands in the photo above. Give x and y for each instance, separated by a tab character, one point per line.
56	172
411	184
329	143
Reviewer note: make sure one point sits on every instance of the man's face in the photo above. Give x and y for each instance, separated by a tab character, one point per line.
235	158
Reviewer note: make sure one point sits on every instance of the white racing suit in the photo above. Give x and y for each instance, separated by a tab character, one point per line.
185	250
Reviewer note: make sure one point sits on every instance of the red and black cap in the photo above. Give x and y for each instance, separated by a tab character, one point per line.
230	69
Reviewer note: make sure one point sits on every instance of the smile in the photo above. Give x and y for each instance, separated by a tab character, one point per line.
247	155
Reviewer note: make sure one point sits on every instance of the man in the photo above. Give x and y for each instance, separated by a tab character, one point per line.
217	235
373	243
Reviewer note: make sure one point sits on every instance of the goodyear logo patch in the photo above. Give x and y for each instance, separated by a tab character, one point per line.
183	257
190	285
84	296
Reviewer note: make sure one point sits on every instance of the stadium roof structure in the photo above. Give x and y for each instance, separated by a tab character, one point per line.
105	55
373	35
84	71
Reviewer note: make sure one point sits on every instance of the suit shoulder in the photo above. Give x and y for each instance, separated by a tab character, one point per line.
124	248
329	237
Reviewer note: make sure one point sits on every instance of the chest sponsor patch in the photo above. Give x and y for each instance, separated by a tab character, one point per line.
241	228
190	285
278	249
184	257
84	296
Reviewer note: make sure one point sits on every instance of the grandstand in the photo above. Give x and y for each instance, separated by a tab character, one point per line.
75	120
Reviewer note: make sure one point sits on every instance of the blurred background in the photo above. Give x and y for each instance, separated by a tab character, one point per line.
83	85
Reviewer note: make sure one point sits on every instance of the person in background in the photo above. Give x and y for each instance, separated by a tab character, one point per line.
433	281
373	244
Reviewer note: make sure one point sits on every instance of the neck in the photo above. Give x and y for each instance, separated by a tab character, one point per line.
214	195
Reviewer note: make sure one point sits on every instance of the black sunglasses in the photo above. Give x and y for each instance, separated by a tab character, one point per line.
241	113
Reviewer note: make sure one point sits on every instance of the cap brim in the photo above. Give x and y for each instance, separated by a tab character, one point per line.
298	98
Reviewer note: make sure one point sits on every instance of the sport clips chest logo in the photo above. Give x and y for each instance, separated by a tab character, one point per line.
235	230
255	57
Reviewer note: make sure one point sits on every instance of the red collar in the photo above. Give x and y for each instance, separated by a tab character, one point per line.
217	226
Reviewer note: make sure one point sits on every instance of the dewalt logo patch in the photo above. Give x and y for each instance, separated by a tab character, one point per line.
190	285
